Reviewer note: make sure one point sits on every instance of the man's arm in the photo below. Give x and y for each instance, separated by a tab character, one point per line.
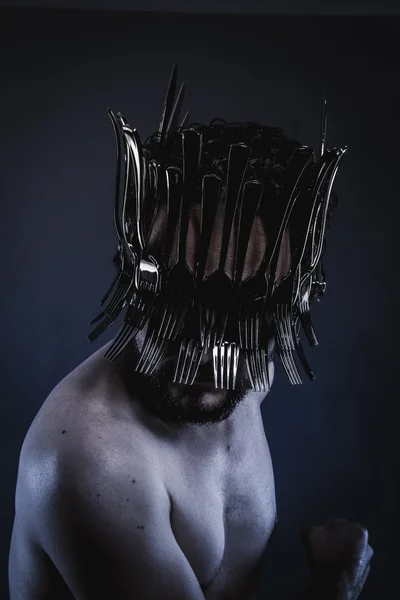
107	536
339	556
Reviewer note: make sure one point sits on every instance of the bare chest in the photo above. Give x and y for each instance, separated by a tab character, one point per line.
223	513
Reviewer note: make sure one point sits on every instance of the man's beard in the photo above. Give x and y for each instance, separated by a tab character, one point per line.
200	403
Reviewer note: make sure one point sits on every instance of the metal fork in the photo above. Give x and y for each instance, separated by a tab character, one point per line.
117	260
217	288
284	327
288	291
173	201
146	277
305	286
316	247
225	362
256	292
149	280
178	295
116	304
125	279
191	348
190	351
226	353
305	316
139	307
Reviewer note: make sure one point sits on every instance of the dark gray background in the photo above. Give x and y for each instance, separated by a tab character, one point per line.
261	7
334	442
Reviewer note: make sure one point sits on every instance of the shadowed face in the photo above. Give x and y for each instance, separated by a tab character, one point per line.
203	403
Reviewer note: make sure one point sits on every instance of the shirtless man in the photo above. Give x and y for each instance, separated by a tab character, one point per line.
131	484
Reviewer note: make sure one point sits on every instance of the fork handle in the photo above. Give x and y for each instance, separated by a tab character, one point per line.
121	220
210	195
237	163
173	177
297	167
249	203
118	139
327	165
137	162
191	147
324	211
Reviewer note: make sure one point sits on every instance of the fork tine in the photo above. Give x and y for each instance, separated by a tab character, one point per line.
304	361
98	318
191	355
292	338
133	304
236	351
111	353
259	371
284	338
180	363
308	327
110	318
258	352
161	350
229	356
195	362
147	351
282	356
257	359
170	321
150	335
266	386
227	366
126	283
99	329
231	360
215	365
290	347
145	362
191	347
285	345
110	289
125	335
251	345
152	353
106	310
222	364
282	346
150	350
250	369
125	338
163	318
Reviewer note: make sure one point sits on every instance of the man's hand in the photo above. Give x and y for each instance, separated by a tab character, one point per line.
339	556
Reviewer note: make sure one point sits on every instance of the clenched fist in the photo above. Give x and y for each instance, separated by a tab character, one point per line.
339	556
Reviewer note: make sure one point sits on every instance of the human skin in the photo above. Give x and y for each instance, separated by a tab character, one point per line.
339	556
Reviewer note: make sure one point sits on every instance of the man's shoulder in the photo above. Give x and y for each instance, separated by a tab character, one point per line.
77	406
82	435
